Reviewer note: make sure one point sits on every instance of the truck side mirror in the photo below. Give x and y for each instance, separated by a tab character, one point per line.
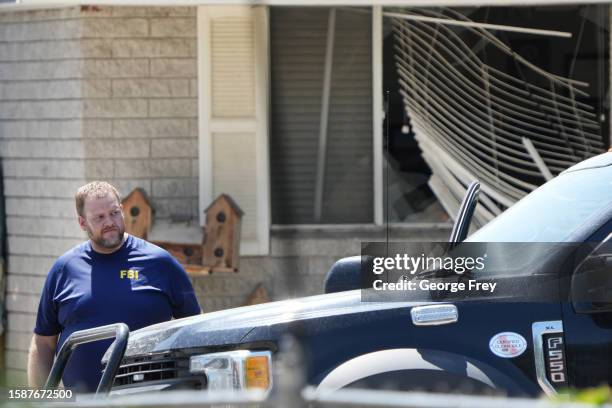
592	281
345	274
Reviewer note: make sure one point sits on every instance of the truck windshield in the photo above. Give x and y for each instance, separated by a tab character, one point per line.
554	211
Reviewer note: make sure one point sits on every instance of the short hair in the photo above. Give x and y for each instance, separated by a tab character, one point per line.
96	189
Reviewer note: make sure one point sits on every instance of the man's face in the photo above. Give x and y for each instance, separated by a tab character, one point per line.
103	220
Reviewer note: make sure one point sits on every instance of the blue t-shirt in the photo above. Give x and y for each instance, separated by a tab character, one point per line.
139	284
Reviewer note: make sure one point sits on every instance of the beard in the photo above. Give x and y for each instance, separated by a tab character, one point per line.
112	241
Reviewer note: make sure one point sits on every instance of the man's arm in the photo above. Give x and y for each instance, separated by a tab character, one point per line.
183	298
40	359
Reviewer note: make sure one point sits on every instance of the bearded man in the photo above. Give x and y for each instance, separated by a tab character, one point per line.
113	277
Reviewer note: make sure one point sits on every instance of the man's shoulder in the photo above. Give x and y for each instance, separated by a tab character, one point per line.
155	255
148	248
76	251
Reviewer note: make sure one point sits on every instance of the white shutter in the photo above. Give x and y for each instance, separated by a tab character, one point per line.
233	115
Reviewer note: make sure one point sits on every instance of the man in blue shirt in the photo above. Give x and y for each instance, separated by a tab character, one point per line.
113	277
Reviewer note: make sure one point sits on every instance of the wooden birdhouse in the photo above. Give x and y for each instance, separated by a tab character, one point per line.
138	213
221	243
259	295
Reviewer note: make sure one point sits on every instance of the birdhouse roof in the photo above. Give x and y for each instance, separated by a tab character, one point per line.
229	200
140	191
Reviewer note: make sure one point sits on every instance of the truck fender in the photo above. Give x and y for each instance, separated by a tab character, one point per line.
441	364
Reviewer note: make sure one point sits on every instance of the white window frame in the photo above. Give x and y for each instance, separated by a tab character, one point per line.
378	114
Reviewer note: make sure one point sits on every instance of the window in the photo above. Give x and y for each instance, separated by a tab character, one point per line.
305	77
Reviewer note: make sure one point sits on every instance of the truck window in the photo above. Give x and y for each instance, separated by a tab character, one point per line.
553	211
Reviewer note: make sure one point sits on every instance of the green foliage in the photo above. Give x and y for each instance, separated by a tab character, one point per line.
594	396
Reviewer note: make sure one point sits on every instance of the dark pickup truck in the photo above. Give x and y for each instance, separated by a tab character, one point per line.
507	345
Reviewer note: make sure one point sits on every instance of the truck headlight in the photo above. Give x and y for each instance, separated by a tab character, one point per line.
234	370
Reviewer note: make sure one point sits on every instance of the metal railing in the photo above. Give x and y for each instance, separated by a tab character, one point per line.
119	331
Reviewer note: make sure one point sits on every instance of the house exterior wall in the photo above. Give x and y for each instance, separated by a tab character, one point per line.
299	260
43	155
147	118
110	93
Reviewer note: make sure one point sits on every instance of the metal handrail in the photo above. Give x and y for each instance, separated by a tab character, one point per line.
119	331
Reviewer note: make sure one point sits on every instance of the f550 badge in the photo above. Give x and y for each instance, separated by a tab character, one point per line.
554	358
131	274
549	354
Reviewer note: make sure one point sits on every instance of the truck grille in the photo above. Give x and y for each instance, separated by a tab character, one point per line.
150	368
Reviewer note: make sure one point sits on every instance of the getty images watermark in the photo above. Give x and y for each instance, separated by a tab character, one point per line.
404	263
409	271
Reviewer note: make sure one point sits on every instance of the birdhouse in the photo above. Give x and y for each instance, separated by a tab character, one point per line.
259	295
188	255
221	243
138	213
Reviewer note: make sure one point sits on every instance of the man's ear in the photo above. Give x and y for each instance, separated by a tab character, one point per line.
82	222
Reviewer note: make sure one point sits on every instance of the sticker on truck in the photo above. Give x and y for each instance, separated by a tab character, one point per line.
507	344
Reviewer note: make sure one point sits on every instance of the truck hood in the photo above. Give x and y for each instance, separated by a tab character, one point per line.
601	160
229	327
